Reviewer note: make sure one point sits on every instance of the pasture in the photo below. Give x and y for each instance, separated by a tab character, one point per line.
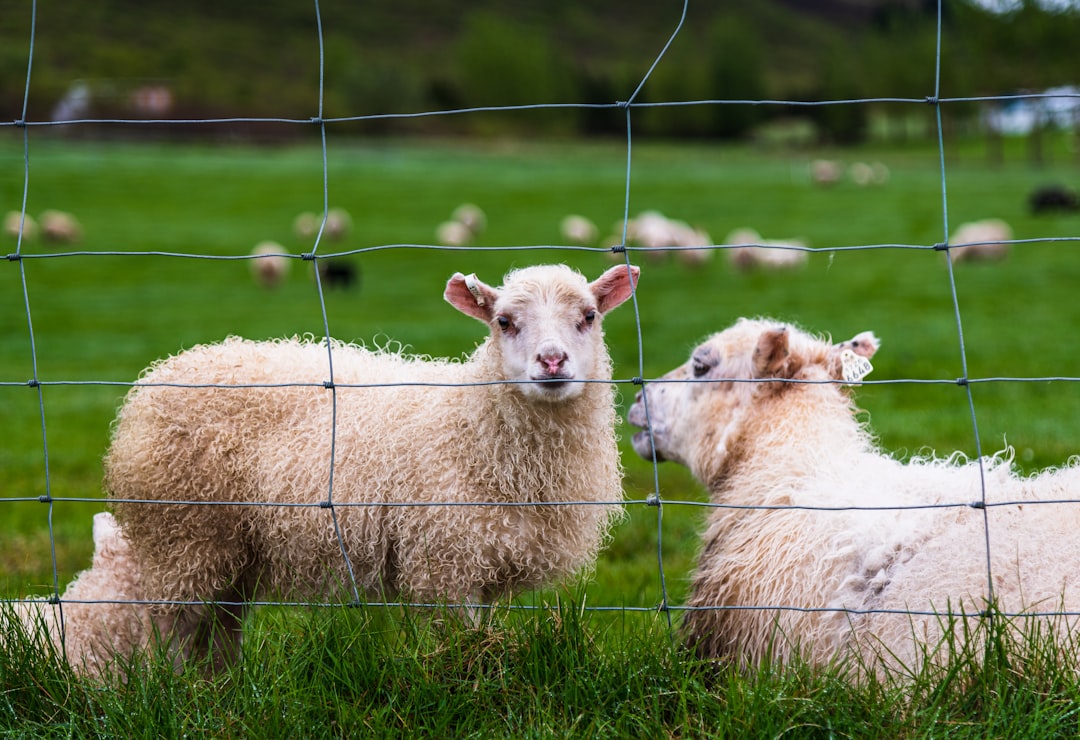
99	316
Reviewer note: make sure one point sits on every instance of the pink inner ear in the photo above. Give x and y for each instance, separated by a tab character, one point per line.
459	296
615	286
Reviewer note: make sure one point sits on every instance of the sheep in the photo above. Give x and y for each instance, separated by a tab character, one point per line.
453	234
60	227
472	217
773	445
659	234
338	224
306	225
16	222
1051	198
104	617
985	241
749	251
270	265
578	230
826	172
516	428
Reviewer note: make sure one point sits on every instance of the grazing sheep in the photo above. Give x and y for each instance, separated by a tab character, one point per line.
471	217
1050	198
14	221
60	227
453	234
660	235
760	447
101	627
306	226
515	427
579	230
751	251
826	172
339	273
985	240
270	266
338	224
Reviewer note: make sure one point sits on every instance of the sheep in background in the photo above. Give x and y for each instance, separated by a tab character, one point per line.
471	217
987	239
751	251
826	172
660	235
338	224
579	230
1050	198
306	225
770	445
466	223
453	234
515	428
270	265
15	220
102	628
60	227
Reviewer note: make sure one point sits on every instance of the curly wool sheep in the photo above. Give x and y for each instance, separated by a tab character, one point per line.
517	426
102	618
821	583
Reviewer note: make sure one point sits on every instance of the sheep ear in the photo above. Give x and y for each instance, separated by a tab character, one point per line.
864	344
771	353
613	287
470	296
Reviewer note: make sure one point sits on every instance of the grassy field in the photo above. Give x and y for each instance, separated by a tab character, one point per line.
102	317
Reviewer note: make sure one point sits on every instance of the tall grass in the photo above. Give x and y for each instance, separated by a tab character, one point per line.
104	318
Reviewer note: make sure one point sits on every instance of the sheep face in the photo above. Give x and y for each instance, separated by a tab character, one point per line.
545	324
695	411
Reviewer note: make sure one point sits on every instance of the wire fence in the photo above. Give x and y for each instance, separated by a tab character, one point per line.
631	107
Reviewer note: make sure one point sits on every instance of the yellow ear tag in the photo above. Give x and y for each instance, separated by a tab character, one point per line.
855	367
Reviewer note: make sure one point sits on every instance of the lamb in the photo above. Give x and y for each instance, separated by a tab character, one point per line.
984	241
750	251
103	618
523	426
821	583
271	265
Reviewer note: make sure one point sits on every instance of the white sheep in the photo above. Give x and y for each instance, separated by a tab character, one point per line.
524	427
986	241
749	251
14	221
306	225
821	579
60	227
578	230
659	234
270	265
453	234
103	618
472	217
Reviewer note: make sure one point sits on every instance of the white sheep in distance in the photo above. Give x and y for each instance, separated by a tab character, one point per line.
578	230
102	617
14	221
270	265
524	426
60	227
750	251
660	235
987	241
773	445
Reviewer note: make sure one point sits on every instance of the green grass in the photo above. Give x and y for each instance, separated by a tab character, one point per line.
104	318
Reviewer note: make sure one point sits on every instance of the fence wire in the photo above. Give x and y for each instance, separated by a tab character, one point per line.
656	499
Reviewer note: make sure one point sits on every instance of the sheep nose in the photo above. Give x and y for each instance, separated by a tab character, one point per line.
552	361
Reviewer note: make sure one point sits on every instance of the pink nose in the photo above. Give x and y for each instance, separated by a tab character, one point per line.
552	362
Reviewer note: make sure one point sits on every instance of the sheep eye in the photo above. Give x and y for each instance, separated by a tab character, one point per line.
504	322
699	367
590	316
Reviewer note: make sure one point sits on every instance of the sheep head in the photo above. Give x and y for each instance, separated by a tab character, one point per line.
545	323
692	414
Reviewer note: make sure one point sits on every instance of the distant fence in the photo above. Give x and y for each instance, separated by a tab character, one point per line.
630	106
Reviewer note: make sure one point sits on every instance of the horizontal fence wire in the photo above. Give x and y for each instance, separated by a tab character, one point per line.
626	252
